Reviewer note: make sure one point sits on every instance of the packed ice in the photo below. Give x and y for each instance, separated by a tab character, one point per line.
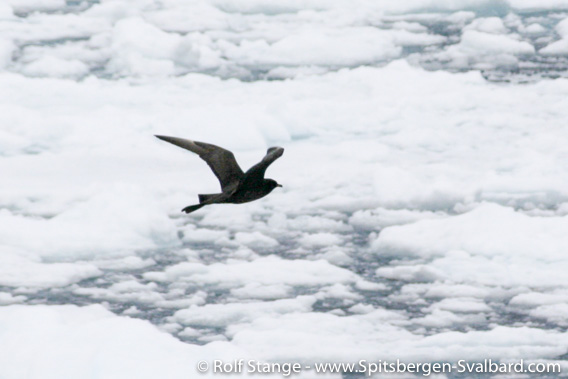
424	208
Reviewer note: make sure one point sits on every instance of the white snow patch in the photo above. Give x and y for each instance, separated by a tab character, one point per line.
193	234
461	305
489	230
7	48
557	313
532	299
113	222
316	240
221	315
262	291
493	25
68	341
255	239
359	45
267	271
36	5
20	269
7	298
56	67
559	47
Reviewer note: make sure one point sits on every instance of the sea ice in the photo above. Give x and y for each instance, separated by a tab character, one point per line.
559	47
423	214
69	341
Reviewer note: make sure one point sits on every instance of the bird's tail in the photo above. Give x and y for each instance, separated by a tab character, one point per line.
204	198
192	208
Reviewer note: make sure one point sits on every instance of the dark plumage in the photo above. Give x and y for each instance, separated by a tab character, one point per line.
237	186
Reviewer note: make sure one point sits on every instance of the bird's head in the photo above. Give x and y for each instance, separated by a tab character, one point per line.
271	184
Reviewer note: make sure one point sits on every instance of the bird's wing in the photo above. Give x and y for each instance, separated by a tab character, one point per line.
256	172
221	161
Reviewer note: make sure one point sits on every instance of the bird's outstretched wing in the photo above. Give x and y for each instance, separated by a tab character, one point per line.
256	172
221	161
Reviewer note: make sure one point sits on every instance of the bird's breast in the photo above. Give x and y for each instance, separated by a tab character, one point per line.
244	195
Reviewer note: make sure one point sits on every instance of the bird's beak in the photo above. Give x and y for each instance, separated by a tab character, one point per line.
279	185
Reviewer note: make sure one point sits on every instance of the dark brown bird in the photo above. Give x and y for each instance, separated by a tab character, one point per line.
236	186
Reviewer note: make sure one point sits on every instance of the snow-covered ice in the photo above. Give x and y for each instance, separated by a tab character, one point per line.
72	342
424	213
278	39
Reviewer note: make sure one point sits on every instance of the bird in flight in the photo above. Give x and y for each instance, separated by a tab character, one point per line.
236	186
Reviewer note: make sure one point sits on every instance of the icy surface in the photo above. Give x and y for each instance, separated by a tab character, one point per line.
68	342
518	40
424	212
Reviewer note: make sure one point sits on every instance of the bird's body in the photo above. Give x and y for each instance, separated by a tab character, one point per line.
237	186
